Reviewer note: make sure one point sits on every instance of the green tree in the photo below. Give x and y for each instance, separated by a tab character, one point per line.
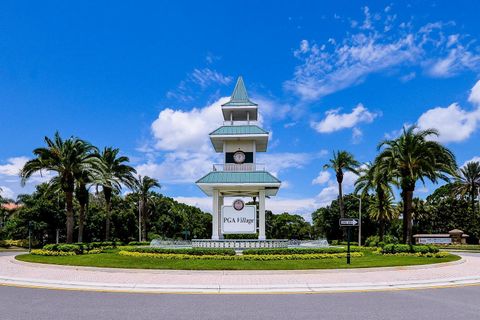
375	178
467	181
415	157
68	158
143	187
342	161
115	172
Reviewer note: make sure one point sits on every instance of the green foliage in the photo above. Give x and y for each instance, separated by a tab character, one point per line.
280	251
374	241
16	243
193	251
139	243
405	248
287	226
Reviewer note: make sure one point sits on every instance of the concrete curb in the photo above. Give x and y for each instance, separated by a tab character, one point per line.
233	272
239	289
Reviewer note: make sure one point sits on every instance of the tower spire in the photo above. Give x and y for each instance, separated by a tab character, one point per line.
239	96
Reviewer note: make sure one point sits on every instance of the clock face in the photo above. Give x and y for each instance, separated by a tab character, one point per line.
238	204
239	157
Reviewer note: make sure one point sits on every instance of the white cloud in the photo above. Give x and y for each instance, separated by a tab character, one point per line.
13	166
335	120
323	177
278	162
453	123
206	77
198	80
474	159
380	43
6	192
457	60
474	96
187	130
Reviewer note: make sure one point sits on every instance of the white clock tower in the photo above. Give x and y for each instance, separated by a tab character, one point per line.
239	139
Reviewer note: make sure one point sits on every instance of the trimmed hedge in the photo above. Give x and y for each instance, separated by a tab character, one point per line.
80	248
266	257
184	251
405	248
17	243
279	251
139	243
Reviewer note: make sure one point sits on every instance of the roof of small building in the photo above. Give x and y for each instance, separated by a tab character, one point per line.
243	129
256	177
11	206
239	96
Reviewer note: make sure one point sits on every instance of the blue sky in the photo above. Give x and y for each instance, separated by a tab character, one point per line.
149	78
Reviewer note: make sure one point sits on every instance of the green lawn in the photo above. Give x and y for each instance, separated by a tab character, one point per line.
113	260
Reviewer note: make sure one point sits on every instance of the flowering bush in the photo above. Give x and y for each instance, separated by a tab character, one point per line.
256	257
42	252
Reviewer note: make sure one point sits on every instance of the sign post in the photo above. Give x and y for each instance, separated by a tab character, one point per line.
348	223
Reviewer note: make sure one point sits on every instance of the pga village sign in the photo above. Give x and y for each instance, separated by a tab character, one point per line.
239	218
239	140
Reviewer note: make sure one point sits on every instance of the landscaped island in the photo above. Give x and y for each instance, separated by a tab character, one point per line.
226	259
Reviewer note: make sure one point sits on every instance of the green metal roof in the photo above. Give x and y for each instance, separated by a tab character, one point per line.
239	96
232	130
239	177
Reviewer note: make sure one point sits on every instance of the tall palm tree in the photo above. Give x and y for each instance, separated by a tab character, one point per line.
415	157
68	158
115	172
143	186
373	178
342	161
467	181
83	182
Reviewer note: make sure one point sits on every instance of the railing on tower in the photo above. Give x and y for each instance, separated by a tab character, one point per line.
234	167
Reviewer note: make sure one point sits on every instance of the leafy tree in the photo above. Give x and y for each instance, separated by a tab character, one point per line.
288	226
375	178
467	181
68	158
342	161
115	173
143	185
415	157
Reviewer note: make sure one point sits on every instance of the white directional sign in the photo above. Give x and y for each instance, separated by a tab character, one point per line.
239	221
348	222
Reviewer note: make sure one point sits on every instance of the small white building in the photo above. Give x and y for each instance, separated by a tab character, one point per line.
239	139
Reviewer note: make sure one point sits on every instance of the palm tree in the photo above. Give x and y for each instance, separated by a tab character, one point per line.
467	181
414	157
115	173
342	161
143	185
68	158
372	178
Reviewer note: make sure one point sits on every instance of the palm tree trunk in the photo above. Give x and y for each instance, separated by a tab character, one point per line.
407	217
70	221
108	200
144	220
81	222
382	229
340	200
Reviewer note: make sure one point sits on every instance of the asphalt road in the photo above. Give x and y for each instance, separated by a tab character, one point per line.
438	304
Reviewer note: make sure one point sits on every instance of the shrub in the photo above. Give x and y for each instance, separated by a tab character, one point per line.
266	257
405	248
334	242
372	241
280	251
193	251
42	252
352	243
17	243
139	243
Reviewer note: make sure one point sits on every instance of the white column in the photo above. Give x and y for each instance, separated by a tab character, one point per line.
261	215
220	204
215	223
